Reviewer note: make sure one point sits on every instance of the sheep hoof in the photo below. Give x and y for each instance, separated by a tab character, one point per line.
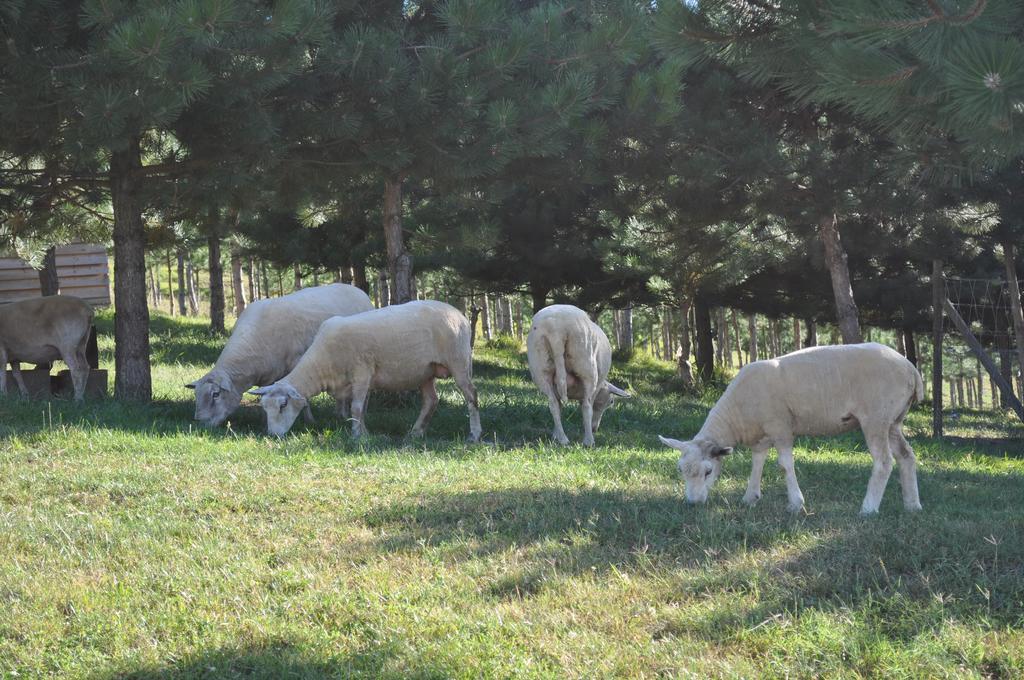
473	439
868	512
416	434
795	507
561	439
751	499
913	507
589	443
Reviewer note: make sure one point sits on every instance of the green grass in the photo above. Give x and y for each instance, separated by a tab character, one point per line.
133	544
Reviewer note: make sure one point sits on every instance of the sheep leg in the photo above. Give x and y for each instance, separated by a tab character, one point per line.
343	407
556	414
83	372
78	366
796	498
307	414
16	370
429	392
878	444
908	467
587	411
360	394
758	457
468	390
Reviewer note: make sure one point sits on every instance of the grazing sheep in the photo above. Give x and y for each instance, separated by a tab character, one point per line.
396	348
40	330
268	340
569	357
815	391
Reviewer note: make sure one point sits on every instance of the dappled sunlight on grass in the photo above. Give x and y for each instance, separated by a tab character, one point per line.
138	544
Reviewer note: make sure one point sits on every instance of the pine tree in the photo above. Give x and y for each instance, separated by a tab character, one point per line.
99	89
439	94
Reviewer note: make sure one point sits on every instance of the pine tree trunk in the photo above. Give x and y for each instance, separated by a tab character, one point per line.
474	318
685	349
316	278
236	280
980	384
616	329
399	259
253	280
666	334
627	328
539	298
297	280
910	345
265	275
359	277
737	338
705	341
132	378
720	336
180	254
726	339
796	334
346	274
485	312
383	288
170	285
193	300
152	287
811	337
49	282
519	317
216	285
1012	285
839	270
508	315
752	330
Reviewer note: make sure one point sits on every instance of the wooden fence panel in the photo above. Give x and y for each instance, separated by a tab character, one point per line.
81	269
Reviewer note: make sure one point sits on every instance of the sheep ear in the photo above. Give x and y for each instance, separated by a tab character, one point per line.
259	391
190	386
721	451
617	391
671	443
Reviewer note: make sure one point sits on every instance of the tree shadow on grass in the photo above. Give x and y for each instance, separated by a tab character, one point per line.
282	660
826	558
512	416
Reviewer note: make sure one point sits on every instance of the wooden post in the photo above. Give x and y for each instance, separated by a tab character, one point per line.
1016	313
938	296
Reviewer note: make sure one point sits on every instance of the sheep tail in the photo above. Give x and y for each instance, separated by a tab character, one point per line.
557	350
918	386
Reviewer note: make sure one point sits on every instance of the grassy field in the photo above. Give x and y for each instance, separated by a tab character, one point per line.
136	545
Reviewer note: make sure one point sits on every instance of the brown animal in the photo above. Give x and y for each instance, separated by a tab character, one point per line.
40	330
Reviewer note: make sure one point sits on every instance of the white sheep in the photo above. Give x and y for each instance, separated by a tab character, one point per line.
396	348
268	340
569	357
40	330
814	391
